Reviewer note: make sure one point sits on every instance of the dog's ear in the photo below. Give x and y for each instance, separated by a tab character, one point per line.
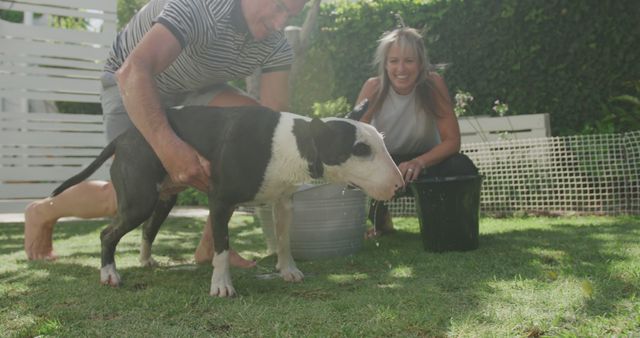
359	110
323	137
320	131
334	140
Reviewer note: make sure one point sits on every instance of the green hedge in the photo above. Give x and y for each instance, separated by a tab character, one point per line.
566	58
577	60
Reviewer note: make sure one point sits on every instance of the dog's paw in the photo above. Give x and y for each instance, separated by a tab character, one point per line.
221	285
109	275
292	274
222	290
148	262
288	269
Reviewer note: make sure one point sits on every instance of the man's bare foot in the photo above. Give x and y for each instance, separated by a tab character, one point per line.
239	262
38	232
204	256
373	233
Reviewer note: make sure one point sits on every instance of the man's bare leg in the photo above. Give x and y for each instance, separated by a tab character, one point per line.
204	252
88	199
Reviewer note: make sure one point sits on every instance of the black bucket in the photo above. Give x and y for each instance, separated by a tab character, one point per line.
448	209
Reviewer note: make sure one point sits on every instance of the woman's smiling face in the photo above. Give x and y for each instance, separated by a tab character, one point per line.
403	67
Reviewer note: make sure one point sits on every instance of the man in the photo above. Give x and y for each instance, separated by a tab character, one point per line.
176	52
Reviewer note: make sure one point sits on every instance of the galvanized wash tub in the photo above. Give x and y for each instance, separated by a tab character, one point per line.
328	221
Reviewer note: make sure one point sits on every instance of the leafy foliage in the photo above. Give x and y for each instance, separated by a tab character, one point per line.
67	22
577	60
339	61
192	196
337	107
622	113
11	16
126	10
566	58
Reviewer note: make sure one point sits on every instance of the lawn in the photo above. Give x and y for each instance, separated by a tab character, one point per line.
574	276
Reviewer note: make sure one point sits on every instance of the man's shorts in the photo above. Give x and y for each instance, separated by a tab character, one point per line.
115	117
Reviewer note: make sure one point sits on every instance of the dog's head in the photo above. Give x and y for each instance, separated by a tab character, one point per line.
354	152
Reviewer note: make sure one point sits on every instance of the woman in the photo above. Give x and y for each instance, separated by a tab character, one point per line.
410	105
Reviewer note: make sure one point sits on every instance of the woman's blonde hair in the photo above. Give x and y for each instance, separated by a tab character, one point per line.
407	39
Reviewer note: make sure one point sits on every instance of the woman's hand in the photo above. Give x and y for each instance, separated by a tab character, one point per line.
410	170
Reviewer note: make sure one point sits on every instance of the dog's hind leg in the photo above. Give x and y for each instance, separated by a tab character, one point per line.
152	225
283	212
135	205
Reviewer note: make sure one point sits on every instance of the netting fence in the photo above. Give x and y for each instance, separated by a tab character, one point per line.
586	174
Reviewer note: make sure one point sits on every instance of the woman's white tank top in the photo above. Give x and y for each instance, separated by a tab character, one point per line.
404	124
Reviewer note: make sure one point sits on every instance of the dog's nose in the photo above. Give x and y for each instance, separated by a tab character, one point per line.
400	184
399	191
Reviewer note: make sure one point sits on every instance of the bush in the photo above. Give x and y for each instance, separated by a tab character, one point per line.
566	58
192	197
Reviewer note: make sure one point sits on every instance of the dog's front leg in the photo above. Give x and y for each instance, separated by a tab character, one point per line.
283	213
221	285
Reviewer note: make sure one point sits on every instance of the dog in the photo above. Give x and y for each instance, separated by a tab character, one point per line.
257	156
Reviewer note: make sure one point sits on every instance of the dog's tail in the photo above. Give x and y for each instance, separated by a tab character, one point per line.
109	150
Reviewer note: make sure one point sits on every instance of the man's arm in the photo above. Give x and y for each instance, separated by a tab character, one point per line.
136	79
274	90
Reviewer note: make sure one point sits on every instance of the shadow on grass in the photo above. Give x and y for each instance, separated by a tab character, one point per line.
392	271
400	271
12	234
588	253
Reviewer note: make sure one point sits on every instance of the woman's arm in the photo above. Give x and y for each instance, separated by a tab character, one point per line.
368	91
448	128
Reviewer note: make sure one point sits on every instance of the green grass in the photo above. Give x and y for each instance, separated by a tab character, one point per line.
530	277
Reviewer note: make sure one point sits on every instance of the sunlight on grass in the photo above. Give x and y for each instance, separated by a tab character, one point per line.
17	321
381	315
573	276
49	327
249	233
345	278
402	271
390	286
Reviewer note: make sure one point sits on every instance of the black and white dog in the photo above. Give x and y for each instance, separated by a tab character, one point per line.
256	155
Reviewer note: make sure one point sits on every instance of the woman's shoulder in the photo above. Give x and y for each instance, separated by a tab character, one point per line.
369	88
372	83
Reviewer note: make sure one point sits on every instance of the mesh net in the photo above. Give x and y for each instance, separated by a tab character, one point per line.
586	174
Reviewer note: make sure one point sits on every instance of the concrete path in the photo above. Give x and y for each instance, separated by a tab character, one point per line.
176	212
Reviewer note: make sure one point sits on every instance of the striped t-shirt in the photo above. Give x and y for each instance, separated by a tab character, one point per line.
217	45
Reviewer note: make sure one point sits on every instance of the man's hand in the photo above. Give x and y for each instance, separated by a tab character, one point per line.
184	164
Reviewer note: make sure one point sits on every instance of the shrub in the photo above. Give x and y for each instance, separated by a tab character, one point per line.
566	58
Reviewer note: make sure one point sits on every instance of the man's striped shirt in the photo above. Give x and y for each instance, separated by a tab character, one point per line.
217	45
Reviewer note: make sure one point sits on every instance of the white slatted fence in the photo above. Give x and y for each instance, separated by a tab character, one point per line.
41	62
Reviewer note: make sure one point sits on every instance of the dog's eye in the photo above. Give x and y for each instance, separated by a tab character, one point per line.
361	149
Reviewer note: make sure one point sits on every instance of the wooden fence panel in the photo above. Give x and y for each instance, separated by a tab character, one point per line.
475	129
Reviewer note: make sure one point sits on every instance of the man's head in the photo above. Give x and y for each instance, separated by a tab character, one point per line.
264	17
